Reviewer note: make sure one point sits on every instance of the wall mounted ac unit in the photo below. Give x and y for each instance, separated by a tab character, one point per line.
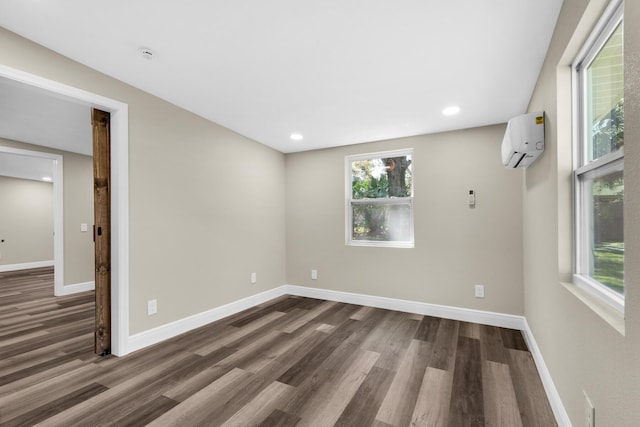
523	141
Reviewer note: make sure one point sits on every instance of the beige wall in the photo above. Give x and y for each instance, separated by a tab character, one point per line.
455	246
26	221
582	351
206	205
78	209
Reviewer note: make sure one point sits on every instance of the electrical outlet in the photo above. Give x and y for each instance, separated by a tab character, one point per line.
152	307
314	274
590	412
84	227
479	291
254	278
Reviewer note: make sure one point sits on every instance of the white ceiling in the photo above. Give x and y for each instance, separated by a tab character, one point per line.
25	167
40	117
337	71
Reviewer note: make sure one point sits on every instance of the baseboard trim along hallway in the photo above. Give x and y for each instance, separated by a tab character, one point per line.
25	266
153	336
78	287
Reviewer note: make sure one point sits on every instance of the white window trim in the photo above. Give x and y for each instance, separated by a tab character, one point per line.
605	27
393	200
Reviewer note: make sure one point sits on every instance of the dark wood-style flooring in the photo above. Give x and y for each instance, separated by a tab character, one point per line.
289	362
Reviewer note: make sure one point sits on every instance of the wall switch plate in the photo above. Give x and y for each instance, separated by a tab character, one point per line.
152	307
314	274
83	227
254	278
590	412
479	291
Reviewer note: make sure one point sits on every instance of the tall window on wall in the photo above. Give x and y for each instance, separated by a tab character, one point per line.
599	161
379	190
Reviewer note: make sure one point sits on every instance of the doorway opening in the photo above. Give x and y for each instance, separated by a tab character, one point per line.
119	208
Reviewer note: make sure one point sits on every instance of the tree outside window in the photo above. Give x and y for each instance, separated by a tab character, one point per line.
380	199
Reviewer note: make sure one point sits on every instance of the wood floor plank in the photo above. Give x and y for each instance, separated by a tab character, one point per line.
121	399
328	372
364	405
146	413
197	409
428	329
432	405
500	402
113	375
40	354
397	344
532	401
238	334
34	369
283	306
22	337
56	406
187	388
281	344
467	403
337	314
443	355
249	353
513	339
383	331
400	399
325	328
470	330
260	407
54	370
310	315
362	313
301	370
330	401
279	418
491	346
253	385
28	399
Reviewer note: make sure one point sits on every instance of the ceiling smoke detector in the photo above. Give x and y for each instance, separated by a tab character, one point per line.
146	53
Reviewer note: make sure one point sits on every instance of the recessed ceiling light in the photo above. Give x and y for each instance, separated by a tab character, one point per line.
450	111
47	178
297	137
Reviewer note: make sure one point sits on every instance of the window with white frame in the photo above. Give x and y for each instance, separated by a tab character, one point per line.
599	161
379	193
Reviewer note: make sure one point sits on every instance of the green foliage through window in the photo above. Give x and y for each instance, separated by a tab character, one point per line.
381	208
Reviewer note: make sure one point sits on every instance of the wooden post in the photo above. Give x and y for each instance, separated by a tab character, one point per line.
100	121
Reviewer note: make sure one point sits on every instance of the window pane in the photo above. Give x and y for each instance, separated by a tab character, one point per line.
605	98
382	178
381	222
607	238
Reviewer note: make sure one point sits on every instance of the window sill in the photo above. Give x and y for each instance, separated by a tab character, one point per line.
613	317
375	244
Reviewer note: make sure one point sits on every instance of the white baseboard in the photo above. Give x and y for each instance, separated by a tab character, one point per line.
552	393
447	312
25	266
78	287
161	333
